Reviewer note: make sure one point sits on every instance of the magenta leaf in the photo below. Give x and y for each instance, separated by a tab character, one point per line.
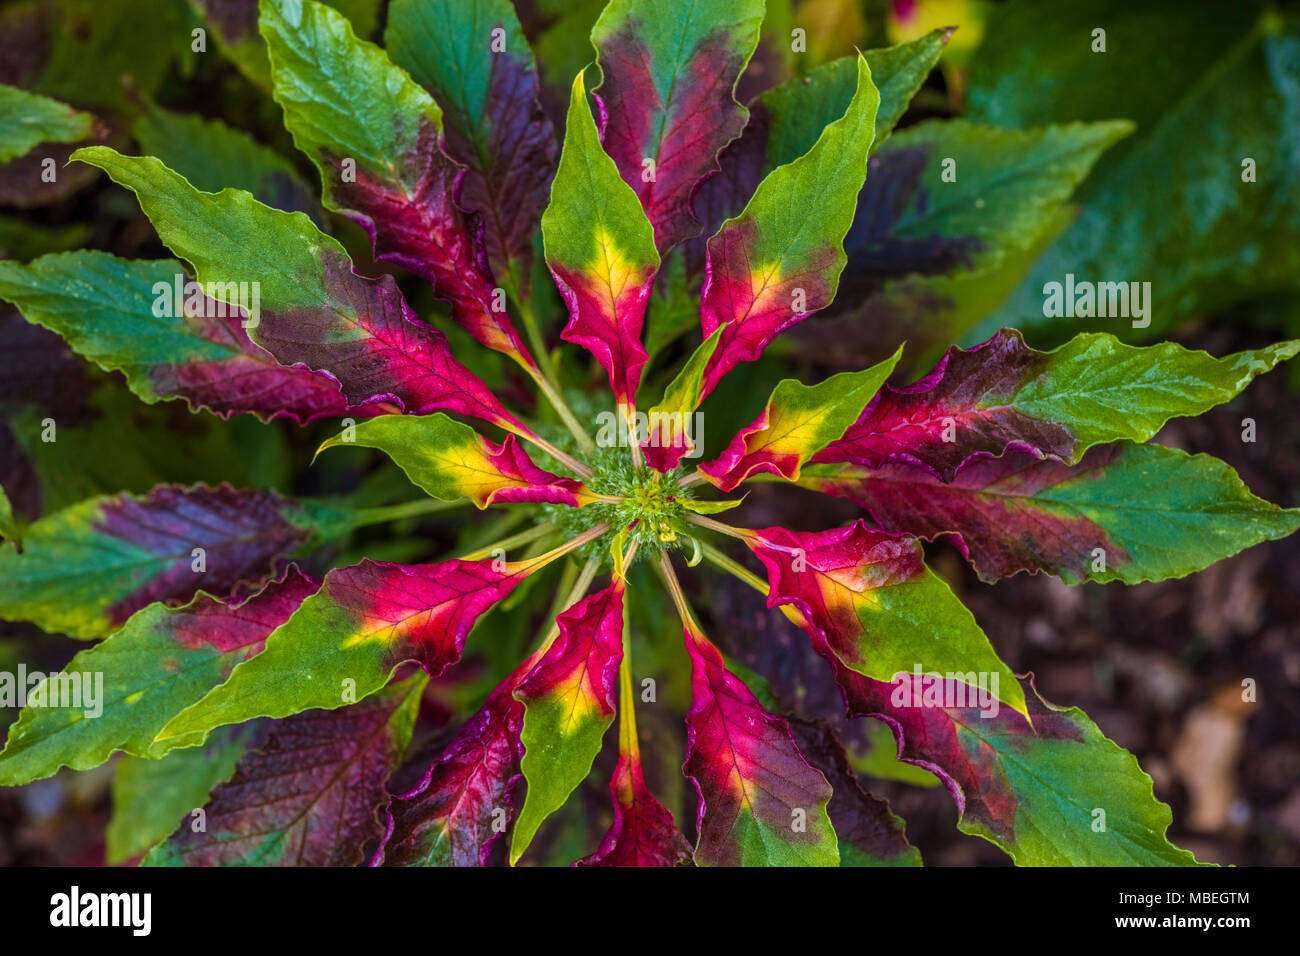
667	97
465	800
761	802
308	796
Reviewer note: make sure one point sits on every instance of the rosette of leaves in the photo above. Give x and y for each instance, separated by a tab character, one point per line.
288	702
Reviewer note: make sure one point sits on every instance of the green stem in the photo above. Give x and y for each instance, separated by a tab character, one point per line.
581	470
634	440
547	380
675	592
407	509
627	742
718	526
573	544
721	560
499	525
523	537
694	478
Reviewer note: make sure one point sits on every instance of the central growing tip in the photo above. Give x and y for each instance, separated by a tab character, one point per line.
650	512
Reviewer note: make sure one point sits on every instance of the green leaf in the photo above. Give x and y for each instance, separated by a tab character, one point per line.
213	156
768	270
108	310
683	394
868	595
160	662
1050	789
1170	206
313	308
149	796
449	460
569	702
952	216
346	641
487	86
375	136
669	71
1003	395
709	507
27	120
229	234
104	56
1059	786
8	527
343	98
798	422
1104	391
235	27
601	250
86	569
1125	512
799	109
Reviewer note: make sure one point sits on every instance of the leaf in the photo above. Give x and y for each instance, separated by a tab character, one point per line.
1004	395
709	507
643	832
160	662
345	642
1170	206
951	217
870	597
149	796
9	527
21	240
669	73
668	438
1032	786
461	805
761	803
212	156
869	833
314	309
449	460
800	108
92	53
766	270
234	24
786	120
1147	512
344	101
601	252
798	422
493	122
107	309
27	120
115	443
309	795
86	569
569	703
